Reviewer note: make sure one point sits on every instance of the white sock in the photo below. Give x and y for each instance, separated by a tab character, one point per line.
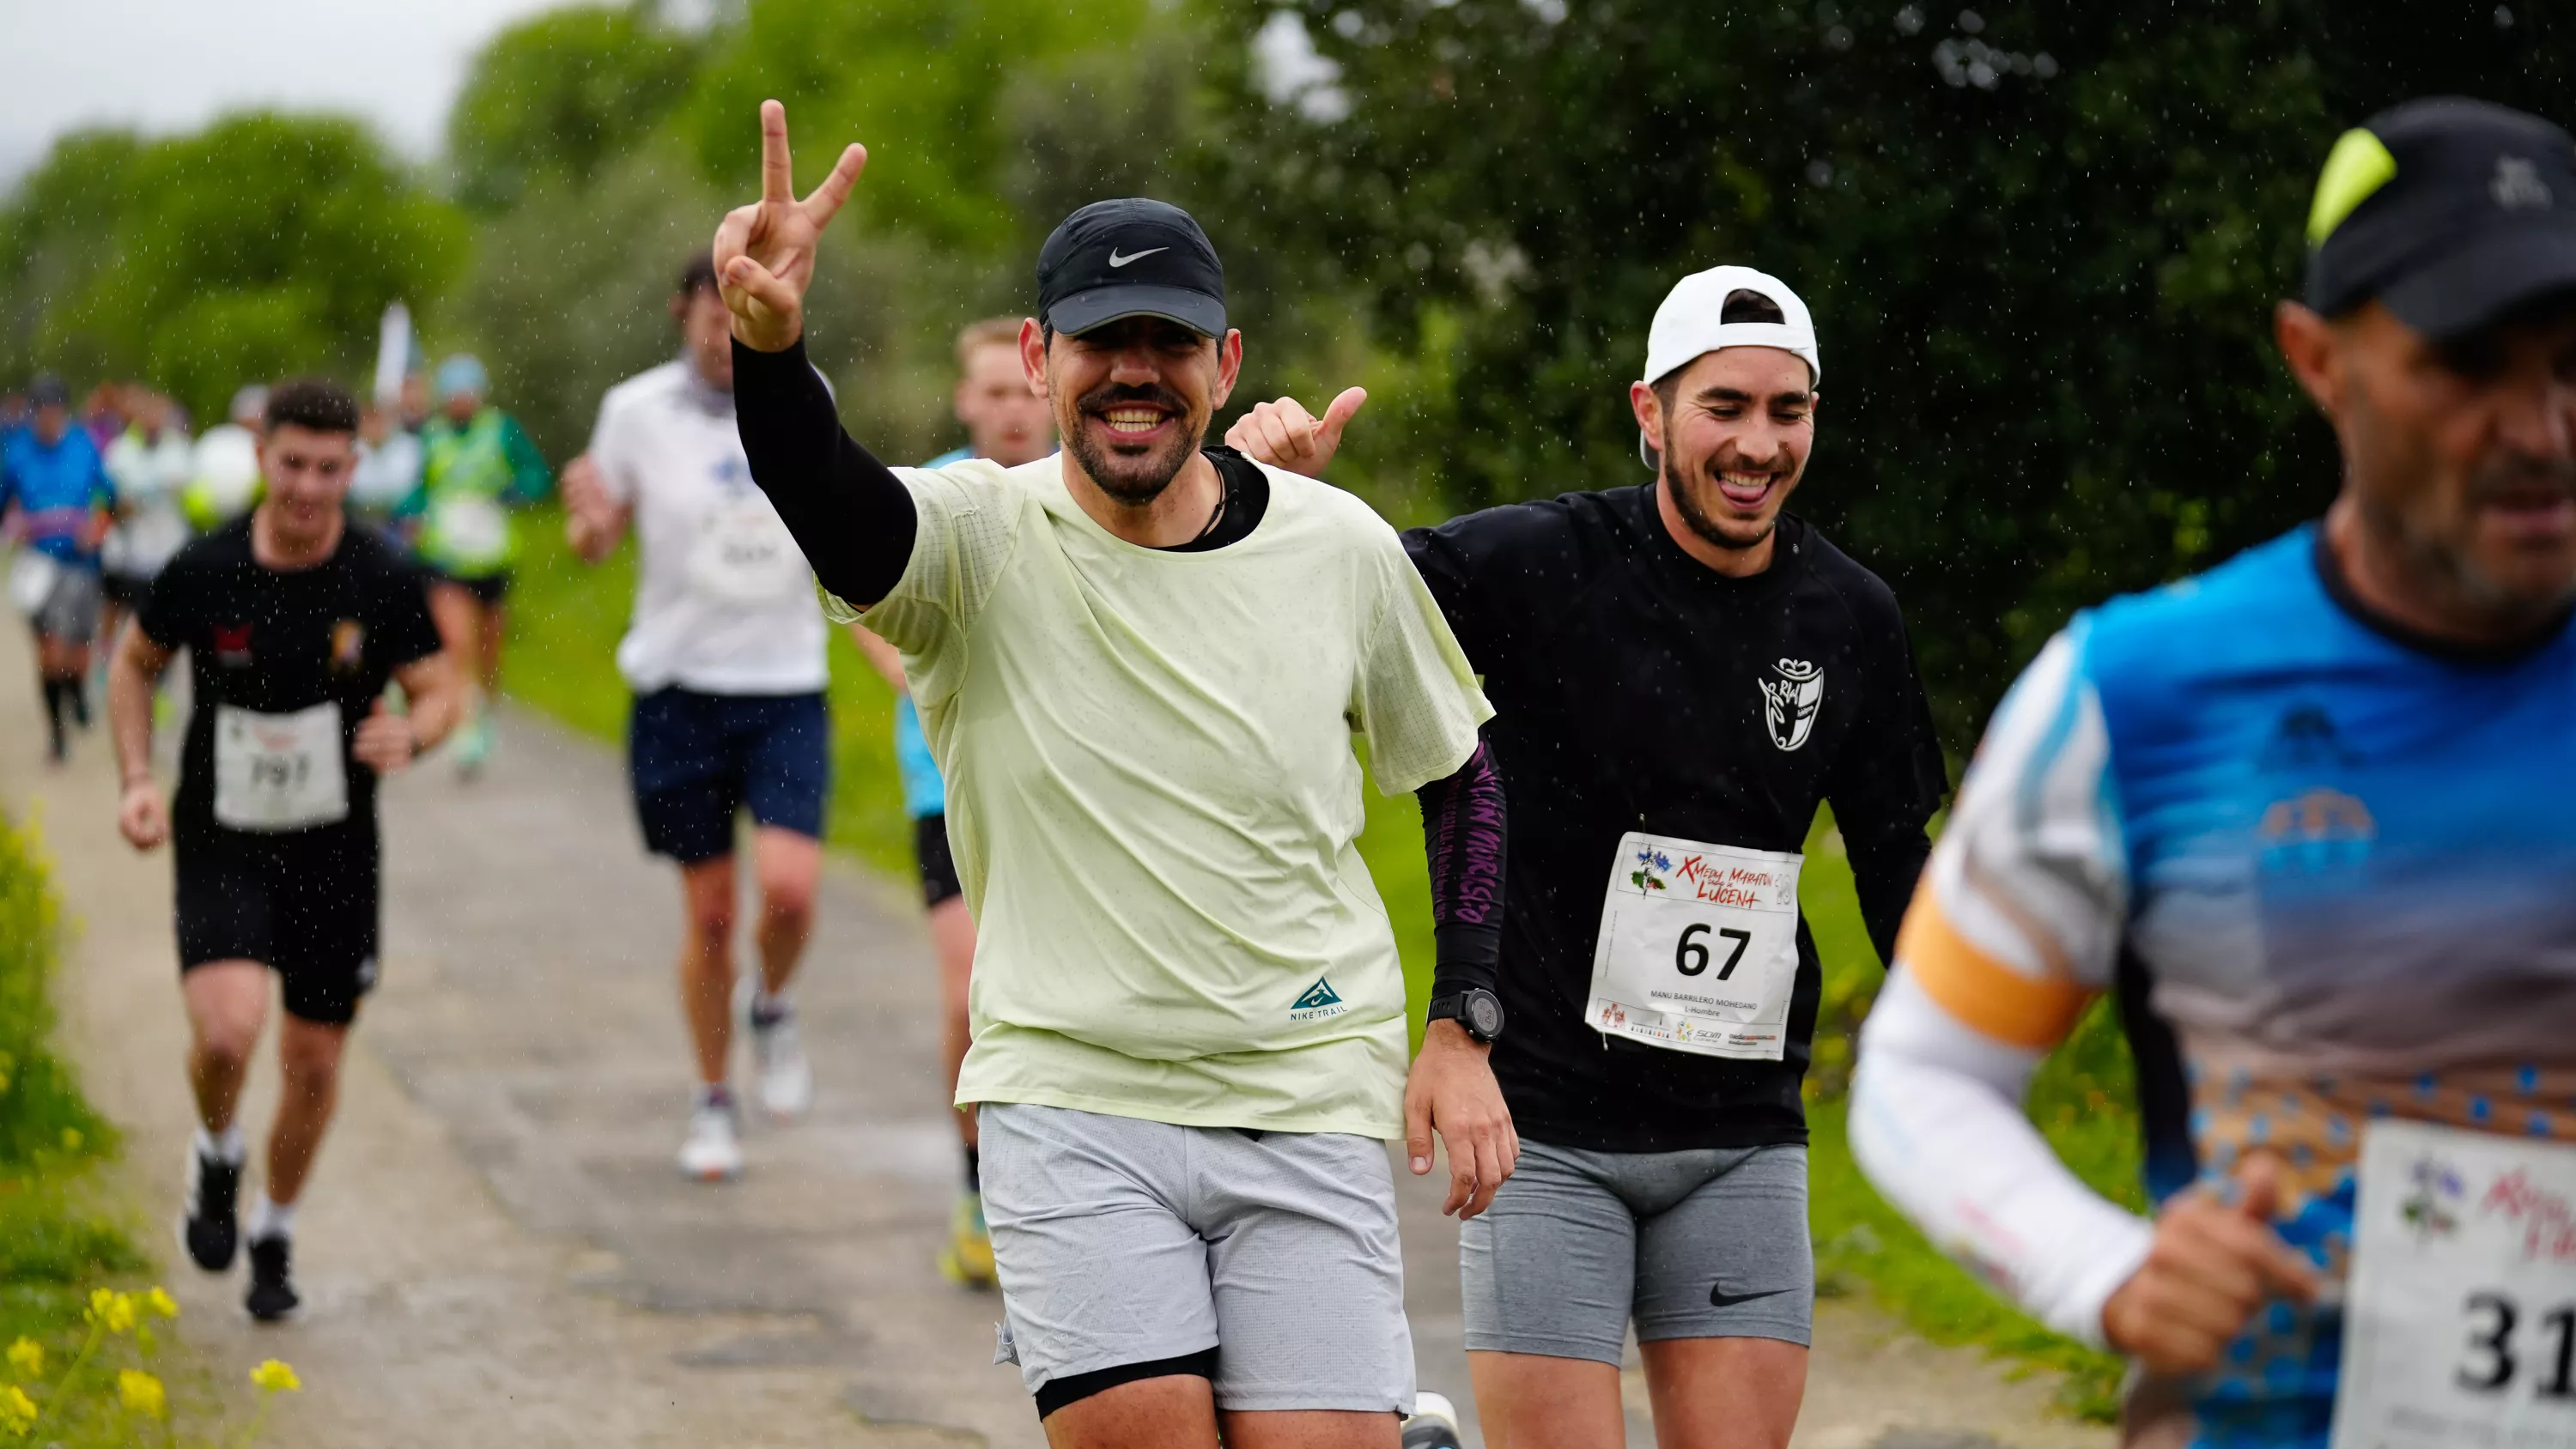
228	1149
268	1220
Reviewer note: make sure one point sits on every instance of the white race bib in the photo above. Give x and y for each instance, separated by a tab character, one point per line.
745	555
471	528
1699	948
2460	1314
279	771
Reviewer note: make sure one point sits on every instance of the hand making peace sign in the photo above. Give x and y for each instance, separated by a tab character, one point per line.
765	251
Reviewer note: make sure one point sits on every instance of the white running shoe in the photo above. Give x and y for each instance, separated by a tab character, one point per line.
1434	1424
713	1151
786	1077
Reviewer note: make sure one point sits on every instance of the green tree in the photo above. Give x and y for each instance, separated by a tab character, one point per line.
2041	244
926	84
559	97
51	235
261	245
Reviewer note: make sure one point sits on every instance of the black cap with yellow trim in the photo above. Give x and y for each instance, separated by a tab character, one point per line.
2449	212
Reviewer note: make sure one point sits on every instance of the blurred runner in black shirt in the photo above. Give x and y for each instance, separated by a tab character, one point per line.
1681	675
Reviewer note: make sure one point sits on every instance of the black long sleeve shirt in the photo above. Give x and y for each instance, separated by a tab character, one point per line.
1626	677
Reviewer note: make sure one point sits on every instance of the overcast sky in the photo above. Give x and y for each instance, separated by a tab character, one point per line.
168	65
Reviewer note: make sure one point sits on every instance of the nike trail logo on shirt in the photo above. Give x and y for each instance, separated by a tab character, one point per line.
1116	260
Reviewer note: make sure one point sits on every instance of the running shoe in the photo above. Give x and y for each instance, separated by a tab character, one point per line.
208	1228
272	1280
1434	1424
778	1053
967	1258
473	746
713	1151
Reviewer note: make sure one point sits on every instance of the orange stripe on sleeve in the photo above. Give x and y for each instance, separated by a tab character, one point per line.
1979	990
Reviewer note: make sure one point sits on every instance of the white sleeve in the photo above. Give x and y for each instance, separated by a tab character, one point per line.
1415	695
608	453
966	523
1936	1123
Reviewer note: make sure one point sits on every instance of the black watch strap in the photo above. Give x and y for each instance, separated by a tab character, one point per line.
1476	1009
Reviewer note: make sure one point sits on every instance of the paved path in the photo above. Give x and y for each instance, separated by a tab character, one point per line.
497	1249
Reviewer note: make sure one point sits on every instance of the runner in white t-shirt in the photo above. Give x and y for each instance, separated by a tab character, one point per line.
725	656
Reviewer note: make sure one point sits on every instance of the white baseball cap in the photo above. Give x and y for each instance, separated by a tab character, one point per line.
1688	324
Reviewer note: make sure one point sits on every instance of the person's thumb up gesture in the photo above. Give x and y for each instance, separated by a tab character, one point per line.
764	252
2215	1263
1284	435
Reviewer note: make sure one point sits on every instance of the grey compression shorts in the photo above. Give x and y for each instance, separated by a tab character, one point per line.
1700	1244
1124	1242
70	611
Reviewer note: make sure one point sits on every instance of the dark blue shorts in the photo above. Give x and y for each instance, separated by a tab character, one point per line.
698	759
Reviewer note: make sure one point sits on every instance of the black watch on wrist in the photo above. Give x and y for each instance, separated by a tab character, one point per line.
1478	1010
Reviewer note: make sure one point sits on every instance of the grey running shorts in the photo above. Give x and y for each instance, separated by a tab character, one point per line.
1122	1241
70	611
1701	1244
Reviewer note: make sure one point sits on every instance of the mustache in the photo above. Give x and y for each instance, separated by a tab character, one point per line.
1109	395
2517	477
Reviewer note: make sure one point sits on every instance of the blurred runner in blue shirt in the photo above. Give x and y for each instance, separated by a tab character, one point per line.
55	501
1007	423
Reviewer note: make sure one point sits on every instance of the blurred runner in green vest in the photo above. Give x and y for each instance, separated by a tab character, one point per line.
476	464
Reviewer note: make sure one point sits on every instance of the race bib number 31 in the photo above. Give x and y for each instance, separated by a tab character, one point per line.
1698	949
279	771
2460	1318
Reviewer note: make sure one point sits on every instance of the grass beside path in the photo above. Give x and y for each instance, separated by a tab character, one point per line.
81	1366
564	626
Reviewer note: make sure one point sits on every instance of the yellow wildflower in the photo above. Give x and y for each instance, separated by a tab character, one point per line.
71	1139
141	1392
27	1357
111	1311
17	1411
276	1377
161	1303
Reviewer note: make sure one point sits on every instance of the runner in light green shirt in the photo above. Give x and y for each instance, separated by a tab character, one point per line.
1140	663
476	464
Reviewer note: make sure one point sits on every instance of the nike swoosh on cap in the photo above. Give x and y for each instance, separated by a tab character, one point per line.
1718	1297
1116	260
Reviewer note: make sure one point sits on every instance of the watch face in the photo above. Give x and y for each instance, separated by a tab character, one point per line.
1484	1014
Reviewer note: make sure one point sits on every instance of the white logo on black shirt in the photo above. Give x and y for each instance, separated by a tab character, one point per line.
1789	703
2517	185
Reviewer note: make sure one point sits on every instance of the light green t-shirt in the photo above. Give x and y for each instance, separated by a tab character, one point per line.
1153	797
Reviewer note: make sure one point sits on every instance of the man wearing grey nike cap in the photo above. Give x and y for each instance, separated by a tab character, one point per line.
1682	672
1139	663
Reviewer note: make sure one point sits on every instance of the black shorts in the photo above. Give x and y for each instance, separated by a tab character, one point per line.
303	905
488	590
938	867
129	592
698	759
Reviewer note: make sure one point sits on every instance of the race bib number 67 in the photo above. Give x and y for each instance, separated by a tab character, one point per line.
2460	1318
1698	949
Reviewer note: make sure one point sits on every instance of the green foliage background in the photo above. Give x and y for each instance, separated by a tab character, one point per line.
2041	243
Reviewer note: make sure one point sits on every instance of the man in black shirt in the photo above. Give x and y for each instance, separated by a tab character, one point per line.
1681	673
294	623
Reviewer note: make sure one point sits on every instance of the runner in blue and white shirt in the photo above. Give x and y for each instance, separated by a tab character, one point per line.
55	502
1007	423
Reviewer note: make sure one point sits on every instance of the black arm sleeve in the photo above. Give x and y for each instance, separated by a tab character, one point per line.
1463	829
852	517
1888	786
